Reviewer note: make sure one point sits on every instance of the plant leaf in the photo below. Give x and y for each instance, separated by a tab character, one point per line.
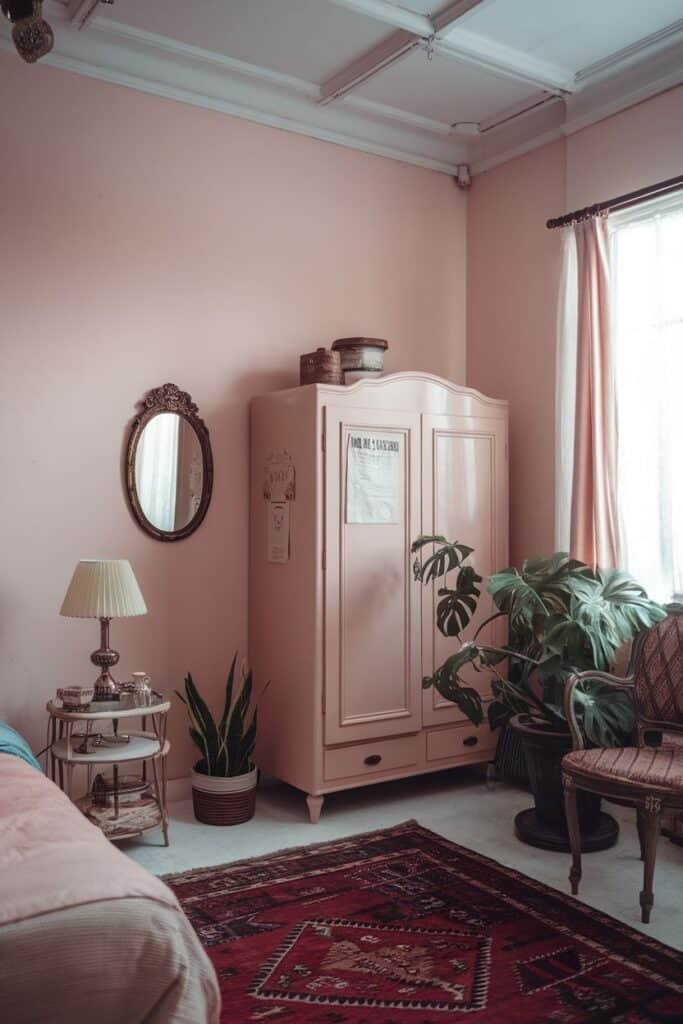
456	607
201	720
223	726
236	727
448	556
611	608
604	713
448	683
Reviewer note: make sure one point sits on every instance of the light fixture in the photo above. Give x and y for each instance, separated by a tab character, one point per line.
104	590
32	35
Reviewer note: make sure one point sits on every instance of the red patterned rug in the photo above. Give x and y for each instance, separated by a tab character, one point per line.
404	927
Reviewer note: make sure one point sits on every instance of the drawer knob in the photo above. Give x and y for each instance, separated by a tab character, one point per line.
373	759
471	741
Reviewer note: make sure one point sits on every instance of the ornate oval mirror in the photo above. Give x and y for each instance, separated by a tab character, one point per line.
169	466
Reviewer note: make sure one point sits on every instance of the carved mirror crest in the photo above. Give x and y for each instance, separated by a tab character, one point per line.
169	465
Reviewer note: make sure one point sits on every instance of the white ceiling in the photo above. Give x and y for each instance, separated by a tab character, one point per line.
457	94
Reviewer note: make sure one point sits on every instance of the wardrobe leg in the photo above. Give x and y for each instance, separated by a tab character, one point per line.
315	806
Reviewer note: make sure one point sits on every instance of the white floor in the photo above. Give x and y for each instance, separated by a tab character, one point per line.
456	804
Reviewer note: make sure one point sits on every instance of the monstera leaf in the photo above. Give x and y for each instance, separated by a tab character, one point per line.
507	702
611	608
516	597
553	578
447	556
604	713
544	587
457	606
448	682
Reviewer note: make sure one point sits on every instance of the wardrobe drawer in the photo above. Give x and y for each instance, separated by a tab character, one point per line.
460	741
366	758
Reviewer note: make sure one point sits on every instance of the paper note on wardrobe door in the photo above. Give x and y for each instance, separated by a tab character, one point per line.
373	477
278	531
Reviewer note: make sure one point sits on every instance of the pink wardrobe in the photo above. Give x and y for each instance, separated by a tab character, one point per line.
342	480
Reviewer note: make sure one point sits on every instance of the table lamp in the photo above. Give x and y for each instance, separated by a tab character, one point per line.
104	590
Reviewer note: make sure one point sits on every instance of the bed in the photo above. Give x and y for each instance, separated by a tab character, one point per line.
86	933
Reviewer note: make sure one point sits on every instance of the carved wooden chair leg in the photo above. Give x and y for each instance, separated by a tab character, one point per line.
651	828
572	813
641	830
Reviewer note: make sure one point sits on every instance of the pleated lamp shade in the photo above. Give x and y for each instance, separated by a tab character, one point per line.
103	590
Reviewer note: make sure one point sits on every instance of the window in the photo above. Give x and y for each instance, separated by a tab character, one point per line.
646	257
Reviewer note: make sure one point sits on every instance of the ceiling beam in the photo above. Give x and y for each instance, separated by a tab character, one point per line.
452	41
390	14
395	46
490	55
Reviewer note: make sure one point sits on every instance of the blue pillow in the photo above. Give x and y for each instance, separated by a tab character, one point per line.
11	742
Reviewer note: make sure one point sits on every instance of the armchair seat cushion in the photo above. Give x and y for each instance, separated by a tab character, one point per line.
649	768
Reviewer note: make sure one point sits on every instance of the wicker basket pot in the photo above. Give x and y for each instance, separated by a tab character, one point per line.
220	800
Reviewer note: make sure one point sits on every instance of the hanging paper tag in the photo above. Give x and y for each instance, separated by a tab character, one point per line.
278	531
373	477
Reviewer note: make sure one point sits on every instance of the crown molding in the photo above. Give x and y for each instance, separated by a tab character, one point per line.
620	59
120	54
123	55
596	100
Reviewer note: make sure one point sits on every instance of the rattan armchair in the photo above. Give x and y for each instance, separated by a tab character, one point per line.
647	777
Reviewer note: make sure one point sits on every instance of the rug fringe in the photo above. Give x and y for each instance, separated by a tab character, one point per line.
293	850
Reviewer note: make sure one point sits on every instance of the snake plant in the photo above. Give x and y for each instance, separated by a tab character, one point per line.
227	746
563	617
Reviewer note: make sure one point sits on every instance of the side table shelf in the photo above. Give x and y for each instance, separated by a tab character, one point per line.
78	739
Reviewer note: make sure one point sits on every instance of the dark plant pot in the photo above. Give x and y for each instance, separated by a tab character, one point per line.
545	825
510	762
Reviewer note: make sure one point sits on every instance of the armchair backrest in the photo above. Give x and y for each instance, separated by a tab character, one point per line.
658	676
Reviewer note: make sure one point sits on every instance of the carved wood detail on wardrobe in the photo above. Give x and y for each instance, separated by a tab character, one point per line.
342	630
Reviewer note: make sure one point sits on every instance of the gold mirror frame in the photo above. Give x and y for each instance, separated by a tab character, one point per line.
169	398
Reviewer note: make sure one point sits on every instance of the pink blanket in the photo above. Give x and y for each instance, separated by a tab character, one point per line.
51	858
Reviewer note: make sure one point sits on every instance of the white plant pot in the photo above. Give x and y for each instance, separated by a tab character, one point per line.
221	800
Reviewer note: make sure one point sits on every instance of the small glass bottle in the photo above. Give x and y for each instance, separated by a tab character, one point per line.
143	689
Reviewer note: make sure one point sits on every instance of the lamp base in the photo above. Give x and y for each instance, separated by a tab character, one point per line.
106	687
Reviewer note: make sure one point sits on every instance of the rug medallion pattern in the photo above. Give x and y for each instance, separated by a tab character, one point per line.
404	927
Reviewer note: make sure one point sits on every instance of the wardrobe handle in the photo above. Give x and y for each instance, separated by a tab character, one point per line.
373	759
471	741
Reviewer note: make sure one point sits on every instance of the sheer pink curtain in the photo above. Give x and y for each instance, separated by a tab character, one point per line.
590	469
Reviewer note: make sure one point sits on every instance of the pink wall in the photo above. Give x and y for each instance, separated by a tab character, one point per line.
146	241
638	147
513	275
513	270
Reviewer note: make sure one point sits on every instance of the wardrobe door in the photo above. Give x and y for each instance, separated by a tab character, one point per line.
464	498
372	661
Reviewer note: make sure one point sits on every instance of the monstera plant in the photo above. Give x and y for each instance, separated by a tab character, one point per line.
563	618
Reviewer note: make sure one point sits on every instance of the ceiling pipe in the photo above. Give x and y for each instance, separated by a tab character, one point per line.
81	12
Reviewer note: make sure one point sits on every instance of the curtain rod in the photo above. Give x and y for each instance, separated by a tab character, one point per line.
619	203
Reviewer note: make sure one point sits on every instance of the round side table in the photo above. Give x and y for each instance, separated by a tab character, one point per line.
117	816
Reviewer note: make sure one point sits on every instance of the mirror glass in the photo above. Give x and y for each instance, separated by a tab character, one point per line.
169	471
